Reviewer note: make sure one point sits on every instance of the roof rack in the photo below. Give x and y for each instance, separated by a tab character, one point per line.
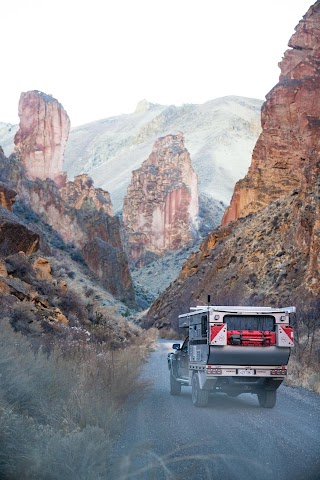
241	308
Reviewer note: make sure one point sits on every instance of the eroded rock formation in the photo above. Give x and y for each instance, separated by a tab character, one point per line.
269	254
94	232
161	206
81	194
42	136
289	143
87	226
78	213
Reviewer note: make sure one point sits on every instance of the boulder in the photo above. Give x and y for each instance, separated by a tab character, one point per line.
15	236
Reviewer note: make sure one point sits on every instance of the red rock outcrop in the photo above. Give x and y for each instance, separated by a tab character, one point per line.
79	213
289	143
81	194
269	253
88	227
161	206
42	136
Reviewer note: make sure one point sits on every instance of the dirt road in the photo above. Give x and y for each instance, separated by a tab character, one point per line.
166	437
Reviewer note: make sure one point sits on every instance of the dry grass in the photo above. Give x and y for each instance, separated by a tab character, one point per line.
171	334
59	412
301	375
304	364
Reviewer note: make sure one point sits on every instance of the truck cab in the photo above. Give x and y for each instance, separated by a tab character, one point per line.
232	349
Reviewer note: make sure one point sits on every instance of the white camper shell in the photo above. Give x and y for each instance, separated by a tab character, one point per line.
232	349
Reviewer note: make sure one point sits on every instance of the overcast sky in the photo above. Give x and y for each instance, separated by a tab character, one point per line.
100	57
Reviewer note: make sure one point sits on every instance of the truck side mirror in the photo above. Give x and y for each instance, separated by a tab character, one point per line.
176	346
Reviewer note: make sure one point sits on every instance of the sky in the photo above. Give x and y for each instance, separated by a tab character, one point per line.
99	58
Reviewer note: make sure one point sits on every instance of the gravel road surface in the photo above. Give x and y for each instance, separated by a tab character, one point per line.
166	437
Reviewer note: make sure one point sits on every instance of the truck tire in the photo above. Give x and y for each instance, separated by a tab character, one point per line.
175	387
267	398
200	397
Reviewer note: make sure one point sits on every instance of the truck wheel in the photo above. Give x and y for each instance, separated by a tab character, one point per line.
267	398
175	387
200	397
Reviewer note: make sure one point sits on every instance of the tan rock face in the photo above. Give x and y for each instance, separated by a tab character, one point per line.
161	206
288	146
42	136
81	194
3	269
42	268
7	196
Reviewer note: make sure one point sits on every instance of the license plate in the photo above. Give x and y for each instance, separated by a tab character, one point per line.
246	372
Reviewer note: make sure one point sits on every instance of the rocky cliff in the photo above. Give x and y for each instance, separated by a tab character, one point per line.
160	211
269	254
90	229
42	136
81	194
269	258
219	135
79	213
289	143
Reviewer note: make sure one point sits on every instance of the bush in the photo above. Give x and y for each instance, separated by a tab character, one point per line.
59	411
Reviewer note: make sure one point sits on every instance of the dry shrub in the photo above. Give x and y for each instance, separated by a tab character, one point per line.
59	411
171	334
305	361
304	373
19	266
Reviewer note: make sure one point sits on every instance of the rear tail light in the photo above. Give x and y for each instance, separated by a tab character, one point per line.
213	370
279	371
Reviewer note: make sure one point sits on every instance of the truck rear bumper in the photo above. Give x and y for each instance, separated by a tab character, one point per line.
231	380
233	385
243	356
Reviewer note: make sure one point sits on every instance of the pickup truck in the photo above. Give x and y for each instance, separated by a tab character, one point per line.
234	350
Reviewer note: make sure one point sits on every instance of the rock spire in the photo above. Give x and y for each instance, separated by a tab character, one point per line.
161	206
42	136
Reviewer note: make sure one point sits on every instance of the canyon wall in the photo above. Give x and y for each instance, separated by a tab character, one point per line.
267	251
42	136
89	227
80	213
290	117
160	211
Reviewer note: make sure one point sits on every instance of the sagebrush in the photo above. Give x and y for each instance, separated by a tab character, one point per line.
59	411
